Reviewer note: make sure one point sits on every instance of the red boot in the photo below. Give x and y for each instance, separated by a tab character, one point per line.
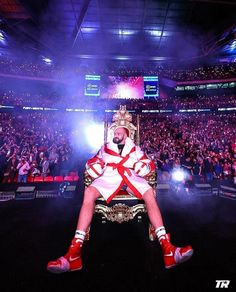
69	262
174	255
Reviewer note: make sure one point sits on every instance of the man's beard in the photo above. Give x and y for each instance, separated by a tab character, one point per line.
116	140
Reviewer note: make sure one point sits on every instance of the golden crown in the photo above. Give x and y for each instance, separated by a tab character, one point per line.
122	118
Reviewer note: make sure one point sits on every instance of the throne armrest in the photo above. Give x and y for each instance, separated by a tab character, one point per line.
152	179
87	179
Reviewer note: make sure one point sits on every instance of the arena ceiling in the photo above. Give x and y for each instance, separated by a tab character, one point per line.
139	30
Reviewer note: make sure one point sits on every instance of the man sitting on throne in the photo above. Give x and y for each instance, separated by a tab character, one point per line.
119	162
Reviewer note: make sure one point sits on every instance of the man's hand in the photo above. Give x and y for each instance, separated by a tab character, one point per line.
141	168
95	169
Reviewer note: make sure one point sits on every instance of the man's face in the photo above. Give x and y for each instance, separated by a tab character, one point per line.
120	136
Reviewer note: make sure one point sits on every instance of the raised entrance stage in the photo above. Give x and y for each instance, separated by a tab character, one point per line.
68	189
37	190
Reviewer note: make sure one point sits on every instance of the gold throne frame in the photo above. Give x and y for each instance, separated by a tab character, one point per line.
125	206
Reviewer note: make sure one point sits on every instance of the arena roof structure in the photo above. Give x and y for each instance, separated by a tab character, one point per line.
138	30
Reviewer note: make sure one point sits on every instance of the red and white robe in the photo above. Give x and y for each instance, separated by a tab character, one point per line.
119	170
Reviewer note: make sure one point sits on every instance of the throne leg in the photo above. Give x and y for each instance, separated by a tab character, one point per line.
87	235
151	232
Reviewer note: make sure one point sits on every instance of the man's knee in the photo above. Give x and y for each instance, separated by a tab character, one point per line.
149	195
90	195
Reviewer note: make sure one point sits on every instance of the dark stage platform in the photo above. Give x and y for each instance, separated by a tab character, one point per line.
118	257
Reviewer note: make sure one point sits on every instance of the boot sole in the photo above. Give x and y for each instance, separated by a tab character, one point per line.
57	270
184	258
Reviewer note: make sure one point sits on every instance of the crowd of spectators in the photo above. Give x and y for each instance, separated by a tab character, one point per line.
56	71
57	100
204	145
27	98
30	69
217	72
176	103
196	102
34	144
37	142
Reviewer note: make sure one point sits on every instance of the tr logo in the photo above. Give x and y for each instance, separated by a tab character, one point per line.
222	283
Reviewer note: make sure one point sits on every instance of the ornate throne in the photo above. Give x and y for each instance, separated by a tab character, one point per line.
124	206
